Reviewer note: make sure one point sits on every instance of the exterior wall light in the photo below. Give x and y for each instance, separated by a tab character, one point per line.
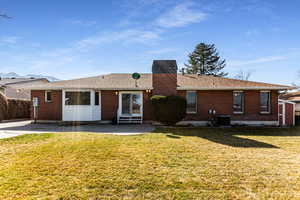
116	92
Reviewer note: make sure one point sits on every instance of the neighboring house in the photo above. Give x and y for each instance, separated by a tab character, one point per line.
295	98
118	96
17	88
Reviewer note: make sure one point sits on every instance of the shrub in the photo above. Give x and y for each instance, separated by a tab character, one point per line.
13	108
3	107
18	109
168	109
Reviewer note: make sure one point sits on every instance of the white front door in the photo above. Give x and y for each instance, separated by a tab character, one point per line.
81	105
131	104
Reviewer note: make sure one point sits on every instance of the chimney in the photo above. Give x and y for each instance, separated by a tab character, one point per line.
164	77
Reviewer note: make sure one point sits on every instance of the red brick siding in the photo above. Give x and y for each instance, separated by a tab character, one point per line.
222	102
280	117
289	114
48	110
164	84
147	107
109	104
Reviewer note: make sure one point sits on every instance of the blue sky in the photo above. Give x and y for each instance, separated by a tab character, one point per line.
70	39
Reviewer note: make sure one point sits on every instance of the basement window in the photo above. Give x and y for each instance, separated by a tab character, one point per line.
48	96
238	102
191	100
78	98
265	102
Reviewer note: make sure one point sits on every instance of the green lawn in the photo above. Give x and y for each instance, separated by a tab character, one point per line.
182	163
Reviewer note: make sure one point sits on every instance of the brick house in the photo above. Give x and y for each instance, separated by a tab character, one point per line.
118	96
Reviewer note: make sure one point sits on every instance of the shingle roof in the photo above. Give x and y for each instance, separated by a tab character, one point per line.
107	82
9	81
12	93
203	82
185	82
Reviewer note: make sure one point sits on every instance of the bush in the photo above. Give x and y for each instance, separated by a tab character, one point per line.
3	107
18	109
13	108
169	109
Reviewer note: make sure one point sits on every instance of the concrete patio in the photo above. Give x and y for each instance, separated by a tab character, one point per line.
12	129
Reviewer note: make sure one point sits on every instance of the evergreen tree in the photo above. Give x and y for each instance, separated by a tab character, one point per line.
205	60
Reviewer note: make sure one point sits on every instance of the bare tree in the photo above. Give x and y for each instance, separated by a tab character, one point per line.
243	75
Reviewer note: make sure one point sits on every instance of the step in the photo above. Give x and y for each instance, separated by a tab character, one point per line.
130	120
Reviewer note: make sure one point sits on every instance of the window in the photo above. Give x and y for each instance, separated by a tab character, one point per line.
265	102
191	99
48	96
78	98
131	103
96	98
238	102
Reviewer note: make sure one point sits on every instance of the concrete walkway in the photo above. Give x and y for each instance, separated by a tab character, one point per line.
13	129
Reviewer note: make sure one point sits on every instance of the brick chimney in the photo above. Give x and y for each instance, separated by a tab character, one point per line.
164	77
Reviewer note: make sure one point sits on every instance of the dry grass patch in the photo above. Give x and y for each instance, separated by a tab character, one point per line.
169	164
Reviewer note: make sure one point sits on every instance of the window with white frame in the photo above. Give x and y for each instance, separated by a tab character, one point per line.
191	100
265	98
78	98
48	96
238	102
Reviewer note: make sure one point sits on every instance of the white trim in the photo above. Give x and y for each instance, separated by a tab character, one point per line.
46	95
283	103
243	103
87	112
269	103
286	101
120	103
238	113
253	123
265	113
